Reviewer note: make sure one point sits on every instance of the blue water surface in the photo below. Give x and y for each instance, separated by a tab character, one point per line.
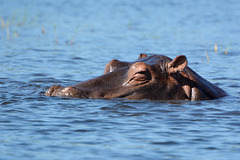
67	41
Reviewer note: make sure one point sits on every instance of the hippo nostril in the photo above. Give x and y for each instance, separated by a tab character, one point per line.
48	93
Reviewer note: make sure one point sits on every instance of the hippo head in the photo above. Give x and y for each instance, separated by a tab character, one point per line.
153	77
148	77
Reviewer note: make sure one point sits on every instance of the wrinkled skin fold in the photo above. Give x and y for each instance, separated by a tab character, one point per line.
154	77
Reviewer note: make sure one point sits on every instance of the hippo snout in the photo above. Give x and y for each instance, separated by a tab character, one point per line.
58	90
54	90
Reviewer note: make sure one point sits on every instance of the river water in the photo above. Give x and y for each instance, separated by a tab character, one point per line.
65	42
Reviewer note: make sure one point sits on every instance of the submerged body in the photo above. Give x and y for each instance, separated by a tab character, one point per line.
153	77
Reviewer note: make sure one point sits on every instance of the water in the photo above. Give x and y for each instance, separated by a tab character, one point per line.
64	42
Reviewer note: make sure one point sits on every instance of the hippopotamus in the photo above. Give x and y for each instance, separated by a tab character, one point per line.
154	77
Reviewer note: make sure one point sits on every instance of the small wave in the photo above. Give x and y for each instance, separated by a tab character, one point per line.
165	143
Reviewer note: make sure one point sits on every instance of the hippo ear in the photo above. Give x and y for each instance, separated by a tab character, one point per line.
142	55
177	65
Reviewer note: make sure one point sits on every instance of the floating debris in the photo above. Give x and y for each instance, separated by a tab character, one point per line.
207	55
215	48
2	22
43	30
8	30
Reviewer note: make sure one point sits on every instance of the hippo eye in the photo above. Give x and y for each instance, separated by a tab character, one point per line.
138	78
138	74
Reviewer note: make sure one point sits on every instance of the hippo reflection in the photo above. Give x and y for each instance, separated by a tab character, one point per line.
154	77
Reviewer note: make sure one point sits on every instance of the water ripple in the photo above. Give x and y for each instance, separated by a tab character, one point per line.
167	143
